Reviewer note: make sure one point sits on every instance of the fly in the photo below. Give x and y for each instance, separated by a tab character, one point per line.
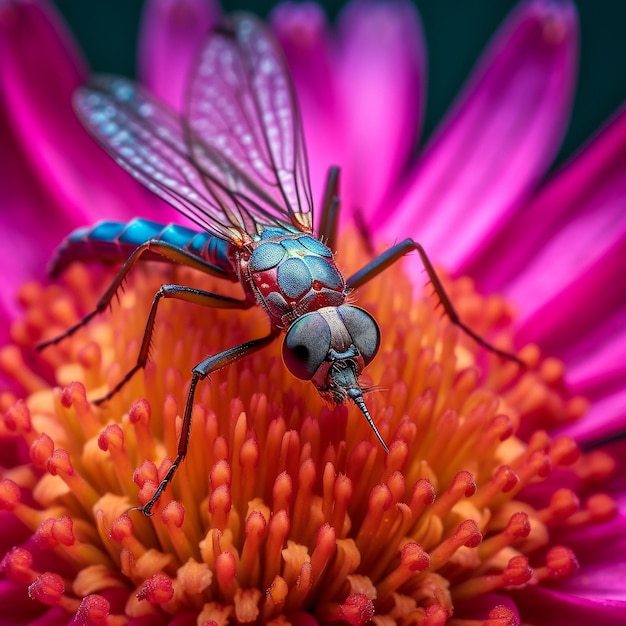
235	163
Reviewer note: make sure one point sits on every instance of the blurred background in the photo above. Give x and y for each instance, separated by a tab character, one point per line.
456	32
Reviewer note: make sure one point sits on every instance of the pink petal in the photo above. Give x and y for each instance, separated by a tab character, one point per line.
599	164
601	552
570	252
602	582
171	32
7	313
39	70
381	86
571	286
604	355
547	607
562	263
32	223
596	369
18	609
498	139
605	418
304	35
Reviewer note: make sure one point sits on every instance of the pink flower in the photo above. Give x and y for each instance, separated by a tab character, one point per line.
473	197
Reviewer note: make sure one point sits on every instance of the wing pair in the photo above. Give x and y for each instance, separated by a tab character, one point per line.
235	161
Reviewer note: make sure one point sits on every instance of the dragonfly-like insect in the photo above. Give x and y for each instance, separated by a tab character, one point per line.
235	164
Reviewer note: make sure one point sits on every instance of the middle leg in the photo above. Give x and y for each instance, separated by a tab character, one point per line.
179	292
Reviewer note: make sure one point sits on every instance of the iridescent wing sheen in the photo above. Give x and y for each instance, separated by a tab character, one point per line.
148	140
243	124
237	163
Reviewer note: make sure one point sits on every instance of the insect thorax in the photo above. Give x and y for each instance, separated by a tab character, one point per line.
290	275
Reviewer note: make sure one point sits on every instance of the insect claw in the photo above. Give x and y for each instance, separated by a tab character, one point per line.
136	508
146	509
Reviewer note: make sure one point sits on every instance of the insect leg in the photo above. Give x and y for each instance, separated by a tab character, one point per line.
180	292
200	372
389	257
330	209
170	252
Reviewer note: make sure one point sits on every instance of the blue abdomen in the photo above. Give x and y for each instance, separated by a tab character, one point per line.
114	242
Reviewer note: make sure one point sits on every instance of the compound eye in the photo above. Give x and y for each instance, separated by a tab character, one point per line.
363	329
306	345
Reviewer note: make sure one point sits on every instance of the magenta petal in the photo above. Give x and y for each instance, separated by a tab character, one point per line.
32	224
596	359
7	313
605	418
39	70
17	608
574	278
573	282
546	607
571	267
604	547
567	266
381	78
593	175
303	33
171	32
498	139
596	369
602	582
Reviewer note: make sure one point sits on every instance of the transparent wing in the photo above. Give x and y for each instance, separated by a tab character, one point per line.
148	140
243	124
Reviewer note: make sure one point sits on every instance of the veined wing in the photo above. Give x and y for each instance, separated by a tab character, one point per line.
147	139
243	124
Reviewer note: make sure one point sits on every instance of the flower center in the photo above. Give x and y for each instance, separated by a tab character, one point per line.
285	506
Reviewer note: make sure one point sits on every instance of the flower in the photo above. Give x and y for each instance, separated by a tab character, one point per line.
284	506
294	498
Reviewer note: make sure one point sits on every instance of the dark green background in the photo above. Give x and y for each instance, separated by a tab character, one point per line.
456	32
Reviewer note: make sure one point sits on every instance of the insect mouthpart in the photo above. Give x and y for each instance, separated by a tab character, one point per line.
343	384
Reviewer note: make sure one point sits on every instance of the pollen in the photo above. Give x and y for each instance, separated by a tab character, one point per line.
285	510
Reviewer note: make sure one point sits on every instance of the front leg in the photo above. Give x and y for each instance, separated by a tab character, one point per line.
200	372
395	253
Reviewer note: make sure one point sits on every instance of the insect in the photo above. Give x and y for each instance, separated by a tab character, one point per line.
235	163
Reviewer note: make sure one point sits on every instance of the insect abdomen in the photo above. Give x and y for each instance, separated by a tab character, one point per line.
113	242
